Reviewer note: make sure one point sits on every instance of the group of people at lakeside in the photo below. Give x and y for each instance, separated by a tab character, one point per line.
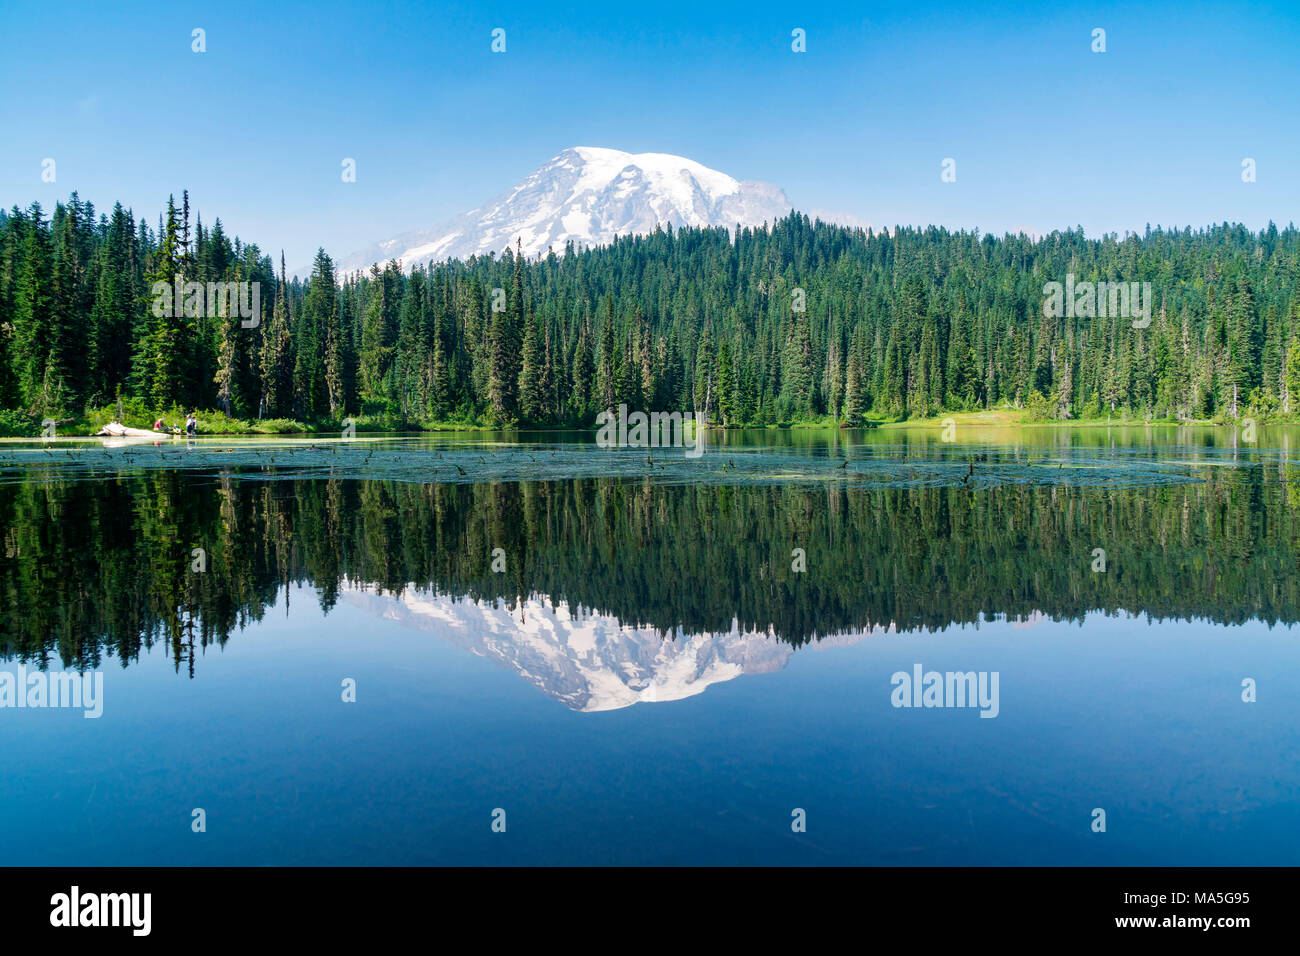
191	425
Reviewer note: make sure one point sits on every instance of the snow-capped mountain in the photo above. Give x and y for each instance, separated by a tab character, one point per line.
589	662
587	195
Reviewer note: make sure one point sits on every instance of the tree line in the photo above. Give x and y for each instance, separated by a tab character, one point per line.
795	322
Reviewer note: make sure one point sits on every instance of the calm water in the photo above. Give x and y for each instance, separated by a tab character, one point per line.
669	657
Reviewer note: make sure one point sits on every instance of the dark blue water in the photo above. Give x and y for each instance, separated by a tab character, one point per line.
1145	722
608	739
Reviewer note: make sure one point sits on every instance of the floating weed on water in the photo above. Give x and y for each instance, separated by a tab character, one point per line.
424	460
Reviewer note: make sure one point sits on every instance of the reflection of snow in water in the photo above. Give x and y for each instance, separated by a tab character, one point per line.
588	662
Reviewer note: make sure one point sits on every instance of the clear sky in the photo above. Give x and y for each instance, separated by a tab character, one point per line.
1045	133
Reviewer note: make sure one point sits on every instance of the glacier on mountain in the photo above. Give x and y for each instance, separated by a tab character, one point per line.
586	195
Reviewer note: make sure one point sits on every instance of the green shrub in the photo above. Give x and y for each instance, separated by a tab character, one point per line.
1037	407
18	425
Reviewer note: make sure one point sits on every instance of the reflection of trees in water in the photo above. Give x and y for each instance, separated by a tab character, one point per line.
105	567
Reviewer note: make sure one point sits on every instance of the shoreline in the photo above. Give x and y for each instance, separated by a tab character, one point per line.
997	419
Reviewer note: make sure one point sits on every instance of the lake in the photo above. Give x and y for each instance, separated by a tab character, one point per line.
523	648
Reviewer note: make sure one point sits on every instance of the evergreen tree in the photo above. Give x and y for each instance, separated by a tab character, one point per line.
532	384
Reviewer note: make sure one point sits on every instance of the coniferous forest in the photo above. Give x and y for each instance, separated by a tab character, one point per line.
798	322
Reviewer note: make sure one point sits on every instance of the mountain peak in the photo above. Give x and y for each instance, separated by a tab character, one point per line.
587	195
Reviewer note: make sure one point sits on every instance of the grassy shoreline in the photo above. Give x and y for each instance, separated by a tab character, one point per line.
212	423
1011	418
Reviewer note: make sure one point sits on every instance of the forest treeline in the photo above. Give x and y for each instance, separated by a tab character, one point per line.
673	557
800	321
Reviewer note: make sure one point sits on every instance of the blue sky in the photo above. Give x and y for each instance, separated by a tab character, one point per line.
1045	133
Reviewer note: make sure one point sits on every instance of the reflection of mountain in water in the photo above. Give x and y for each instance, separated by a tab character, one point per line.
589	662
